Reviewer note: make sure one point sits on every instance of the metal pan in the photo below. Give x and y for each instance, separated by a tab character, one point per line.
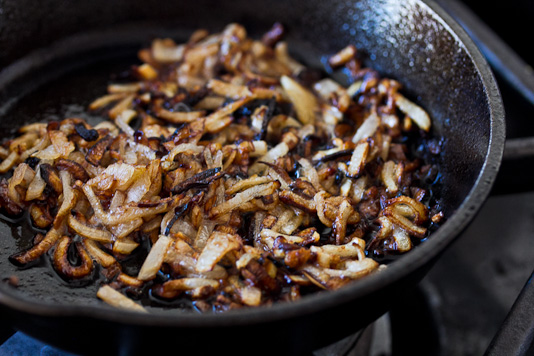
413	41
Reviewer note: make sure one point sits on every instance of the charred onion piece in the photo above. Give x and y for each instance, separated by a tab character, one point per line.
75	169
88	135
32	254
267	118
51	176
201	179
96	152
334	156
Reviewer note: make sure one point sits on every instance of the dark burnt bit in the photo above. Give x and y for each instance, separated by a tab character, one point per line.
370	207
75	169
271	108
383	249
50	175
280	243
179	133
434	145
237	171
287	163
96	152
139	137
193	98
182	210
178	212
340	175
268	199
397	152
88	135
53	125
279	170
32	162
199	180
310	144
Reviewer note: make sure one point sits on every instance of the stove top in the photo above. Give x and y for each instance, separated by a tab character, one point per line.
462	304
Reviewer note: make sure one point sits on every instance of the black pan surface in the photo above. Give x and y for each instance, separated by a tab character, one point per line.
76	47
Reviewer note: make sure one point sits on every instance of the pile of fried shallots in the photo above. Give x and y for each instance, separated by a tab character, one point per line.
241	176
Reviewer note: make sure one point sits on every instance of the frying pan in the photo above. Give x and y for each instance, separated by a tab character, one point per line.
53	57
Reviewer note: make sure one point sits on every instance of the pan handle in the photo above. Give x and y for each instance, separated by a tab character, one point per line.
516	334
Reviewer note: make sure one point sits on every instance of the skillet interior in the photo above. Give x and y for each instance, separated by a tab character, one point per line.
406	41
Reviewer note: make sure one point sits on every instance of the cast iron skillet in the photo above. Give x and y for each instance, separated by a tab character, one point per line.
412	41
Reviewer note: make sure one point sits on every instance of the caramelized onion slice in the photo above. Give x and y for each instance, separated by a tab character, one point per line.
118	300
244	197
368	128
50	239
414	111
178	117
269	236
166	51
228	90
303	100
124	246
61	143
184	284
69	196
218	245
222	113
22	177
189	148
274	153
89	232
247	183
93	248
358	158
329	255
407	213
9	162
62	264
155	258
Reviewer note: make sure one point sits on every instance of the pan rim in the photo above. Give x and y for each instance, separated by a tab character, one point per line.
442	238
